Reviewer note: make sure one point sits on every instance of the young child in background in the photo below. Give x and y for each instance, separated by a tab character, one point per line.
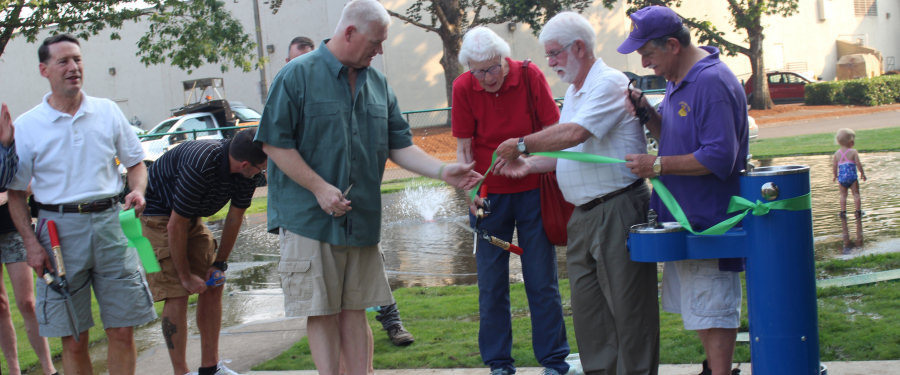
846	162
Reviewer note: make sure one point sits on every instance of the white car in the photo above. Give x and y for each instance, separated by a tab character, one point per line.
200	125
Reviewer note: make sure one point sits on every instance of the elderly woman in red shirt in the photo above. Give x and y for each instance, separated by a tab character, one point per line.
491	104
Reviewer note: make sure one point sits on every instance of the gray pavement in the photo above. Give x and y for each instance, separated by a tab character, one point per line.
874	120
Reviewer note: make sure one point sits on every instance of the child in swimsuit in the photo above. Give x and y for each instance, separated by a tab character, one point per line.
846	162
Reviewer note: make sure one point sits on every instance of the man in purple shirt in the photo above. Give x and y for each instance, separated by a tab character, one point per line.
702	130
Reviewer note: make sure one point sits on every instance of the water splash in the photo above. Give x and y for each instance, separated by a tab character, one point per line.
424	201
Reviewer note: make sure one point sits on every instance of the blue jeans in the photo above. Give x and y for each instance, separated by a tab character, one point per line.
520	211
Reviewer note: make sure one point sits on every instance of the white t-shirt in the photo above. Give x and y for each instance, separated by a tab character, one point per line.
599	107
72	159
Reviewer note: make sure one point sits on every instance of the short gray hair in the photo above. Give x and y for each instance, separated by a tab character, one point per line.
482	44
362	14
567	27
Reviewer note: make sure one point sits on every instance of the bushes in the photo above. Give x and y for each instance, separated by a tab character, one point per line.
865	91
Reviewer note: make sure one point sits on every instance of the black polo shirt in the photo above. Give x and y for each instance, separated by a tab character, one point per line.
193	179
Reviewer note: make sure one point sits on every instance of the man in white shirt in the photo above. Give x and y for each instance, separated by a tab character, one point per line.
614	303
68	146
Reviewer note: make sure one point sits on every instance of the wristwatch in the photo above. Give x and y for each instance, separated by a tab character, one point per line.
222	266
521	146
657	166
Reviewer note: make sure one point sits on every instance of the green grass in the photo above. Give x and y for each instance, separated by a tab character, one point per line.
816	144
855	323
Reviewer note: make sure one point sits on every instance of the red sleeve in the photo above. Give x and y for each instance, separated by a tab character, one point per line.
462	120
547	110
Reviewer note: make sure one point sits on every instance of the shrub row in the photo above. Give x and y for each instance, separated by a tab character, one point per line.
864	91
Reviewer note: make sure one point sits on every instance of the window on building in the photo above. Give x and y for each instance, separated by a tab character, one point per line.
865	7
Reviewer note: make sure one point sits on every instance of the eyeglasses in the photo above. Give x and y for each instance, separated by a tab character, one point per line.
480	73
553	54
261	170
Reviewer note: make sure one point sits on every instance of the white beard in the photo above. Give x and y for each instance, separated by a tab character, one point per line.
569	72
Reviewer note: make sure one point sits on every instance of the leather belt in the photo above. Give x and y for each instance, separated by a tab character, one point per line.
597	201
81	208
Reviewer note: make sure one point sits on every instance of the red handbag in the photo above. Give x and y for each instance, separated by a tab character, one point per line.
555	210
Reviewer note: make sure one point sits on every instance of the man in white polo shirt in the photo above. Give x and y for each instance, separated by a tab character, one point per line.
67	147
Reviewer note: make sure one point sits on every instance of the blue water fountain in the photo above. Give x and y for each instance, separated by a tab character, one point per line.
781	284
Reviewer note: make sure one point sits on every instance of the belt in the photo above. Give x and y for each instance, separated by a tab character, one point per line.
81	208
597	201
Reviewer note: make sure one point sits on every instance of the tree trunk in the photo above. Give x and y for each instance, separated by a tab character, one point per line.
759	97
450	62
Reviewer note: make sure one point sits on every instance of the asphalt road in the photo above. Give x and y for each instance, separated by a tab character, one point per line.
830	125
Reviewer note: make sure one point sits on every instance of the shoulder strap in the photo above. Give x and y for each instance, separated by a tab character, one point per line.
535	122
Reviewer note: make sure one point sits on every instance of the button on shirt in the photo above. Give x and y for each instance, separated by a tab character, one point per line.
344	138
599	107
195	180
72	159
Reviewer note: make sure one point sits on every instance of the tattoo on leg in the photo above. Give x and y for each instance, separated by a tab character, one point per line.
169	330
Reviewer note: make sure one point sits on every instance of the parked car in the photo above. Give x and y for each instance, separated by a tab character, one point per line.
157	141
245	115
784	87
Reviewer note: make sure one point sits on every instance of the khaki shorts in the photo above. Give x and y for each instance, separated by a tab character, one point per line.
704	296
201	252
323	279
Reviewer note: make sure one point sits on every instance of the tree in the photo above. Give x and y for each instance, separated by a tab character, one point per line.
188	34
450	19
746	17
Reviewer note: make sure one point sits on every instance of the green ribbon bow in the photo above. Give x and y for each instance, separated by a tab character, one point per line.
799	203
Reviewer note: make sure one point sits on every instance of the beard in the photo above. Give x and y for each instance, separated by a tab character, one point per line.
569	72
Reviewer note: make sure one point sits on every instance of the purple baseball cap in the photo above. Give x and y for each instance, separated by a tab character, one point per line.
650	23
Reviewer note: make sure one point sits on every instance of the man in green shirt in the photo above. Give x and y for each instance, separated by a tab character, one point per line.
330	124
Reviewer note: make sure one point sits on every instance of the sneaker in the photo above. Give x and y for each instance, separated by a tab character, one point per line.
223	370
500	371
574	361
400	336
549	371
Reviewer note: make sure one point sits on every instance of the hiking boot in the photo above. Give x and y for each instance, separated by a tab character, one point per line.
399	336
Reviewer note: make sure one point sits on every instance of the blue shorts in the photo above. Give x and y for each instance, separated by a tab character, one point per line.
95	253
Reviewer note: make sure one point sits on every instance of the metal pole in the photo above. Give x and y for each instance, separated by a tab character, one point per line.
263	85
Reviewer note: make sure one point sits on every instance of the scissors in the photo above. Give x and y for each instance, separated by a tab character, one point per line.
640	112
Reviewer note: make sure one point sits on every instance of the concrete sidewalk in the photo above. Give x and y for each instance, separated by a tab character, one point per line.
253	343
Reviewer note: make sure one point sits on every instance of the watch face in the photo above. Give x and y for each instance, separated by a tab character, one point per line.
521	147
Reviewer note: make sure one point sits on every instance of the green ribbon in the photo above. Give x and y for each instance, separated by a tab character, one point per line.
131	226
759	208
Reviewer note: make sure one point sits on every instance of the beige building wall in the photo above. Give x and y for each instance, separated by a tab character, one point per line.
411	59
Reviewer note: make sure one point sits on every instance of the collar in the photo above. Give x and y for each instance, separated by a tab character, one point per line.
595	70
334	66
512	79
87	106
706	62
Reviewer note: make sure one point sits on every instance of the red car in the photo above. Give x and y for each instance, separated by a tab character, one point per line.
783	87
